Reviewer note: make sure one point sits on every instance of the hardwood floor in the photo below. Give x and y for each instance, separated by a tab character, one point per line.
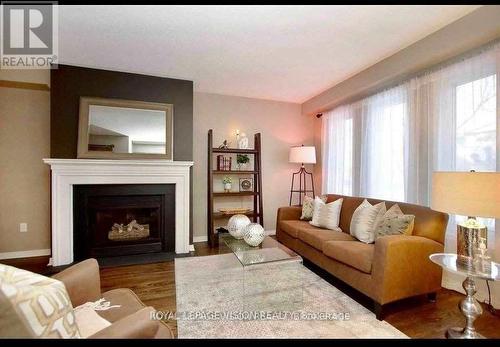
416	317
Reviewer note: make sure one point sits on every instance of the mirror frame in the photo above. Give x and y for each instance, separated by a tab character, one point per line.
83	128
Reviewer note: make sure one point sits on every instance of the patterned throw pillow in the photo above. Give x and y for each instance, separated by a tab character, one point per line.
41	304
326	215
365	219
395	222
308	207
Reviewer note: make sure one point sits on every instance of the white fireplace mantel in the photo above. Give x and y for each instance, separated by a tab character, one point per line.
68	172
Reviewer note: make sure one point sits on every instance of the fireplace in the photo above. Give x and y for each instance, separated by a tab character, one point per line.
123	219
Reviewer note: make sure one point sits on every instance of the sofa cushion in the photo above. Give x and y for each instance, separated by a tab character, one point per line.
357	254
292	227
315	237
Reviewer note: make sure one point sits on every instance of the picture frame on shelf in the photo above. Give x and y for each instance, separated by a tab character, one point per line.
246	184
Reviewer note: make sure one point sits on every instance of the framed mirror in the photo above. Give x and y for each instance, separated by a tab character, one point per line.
124	129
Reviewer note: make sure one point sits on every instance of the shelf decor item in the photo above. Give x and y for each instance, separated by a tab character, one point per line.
472	194
254	234
236	224
243	141
246	184
228	184
234	210
242	161
303	155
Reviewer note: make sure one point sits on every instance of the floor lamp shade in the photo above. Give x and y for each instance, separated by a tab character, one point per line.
302	155
472	194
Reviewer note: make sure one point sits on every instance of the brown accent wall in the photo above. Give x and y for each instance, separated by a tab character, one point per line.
68	83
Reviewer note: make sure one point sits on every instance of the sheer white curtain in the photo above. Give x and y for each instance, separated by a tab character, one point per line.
447	119
382	144
337	160
453	126
363	147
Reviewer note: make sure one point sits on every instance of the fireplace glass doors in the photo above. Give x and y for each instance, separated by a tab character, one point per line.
123	219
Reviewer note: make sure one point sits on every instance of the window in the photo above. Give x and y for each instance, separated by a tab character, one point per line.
476	130
338	151
384	169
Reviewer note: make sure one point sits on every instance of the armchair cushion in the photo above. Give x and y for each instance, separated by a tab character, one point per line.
88	321
138	325
127	300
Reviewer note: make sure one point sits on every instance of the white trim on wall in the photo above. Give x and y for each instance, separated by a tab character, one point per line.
69	172
199	239
25	254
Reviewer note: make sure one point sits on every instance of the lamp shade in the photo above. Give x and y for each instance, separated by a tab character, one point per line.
475	194
302	154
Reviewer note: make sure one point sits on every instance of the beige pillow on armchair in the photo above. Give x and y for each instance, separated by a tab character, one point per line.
34	305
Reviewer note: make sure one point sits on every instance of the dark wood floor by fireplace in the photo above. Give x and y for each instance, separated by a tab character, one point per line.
123	221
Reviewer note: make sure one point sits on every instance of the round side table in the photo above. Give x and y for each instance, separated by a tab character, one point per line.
469	306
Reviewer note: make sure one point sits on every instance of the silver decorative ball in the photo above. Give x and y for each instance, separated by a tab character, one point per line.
236	224
254	234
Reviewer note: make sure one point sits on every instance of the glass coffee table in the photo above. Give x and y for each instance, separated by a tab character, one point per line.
272	274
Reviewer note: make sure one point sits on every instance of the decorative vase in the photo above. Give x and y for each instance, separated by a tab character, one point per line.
227	187
236	224
254	234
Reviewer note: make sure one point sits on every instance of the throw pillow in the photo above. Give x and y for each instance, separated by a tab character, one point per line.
326	215
365	220
395	222
41	303
308	207
88	321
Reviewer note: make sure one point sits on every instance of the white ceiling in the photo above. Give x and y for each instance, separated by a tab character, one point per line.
288	53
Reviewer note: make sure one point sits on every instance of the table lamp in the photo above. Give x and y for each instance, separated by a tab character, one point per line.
302	155
472	194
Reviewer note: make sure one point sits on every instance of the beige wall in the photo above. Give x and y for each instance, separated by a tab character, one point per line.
24	178
281	125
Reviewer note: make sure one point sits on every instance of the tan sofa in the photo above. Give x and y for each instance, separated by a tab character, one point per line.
393	268
130	320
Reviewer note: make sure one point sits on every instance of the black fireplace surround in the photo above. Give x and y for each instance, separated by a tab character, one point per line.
97	207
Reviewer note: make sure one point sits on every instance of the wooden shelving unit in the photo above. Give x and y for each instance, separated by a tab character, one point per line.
256	215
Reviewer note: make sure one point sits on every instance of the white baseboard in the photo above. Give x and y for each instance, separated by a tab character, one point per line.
271	232
200	239
25	254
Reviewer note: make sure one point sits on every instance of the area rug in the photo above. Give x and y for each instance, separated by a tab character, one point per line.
211	303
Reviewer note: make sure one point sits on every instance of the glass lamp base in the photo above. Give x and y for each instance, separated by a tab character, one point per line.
462	333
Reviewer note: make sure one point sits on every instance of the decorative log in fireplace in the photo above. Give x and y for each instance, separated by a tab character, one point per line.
123	219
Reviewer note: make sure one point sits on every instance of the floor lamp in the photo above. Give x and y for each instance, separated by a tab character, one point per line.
302	155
